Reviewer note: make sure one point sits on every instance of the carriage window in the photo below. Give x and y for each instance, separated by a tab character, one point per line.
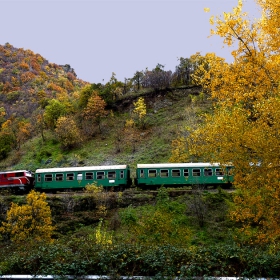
196	172
122	174
219	172
208	172
39	177
142	175
59	177
100	175
164	173
186	172
176	173
48	177
89	176
111	174
69	176
80	176
152	173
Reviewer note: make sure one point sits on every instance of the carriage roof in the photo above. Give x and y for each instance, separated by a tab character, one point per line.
83	168
179	165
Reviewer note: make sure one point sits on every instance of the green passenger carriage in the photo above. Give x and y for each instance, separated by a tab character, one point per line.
55	179
183	174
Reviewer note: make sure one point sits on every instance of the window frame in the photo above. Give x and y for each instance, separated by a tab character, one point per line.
196	172
46	176
164	172
206	172
89	175
70	176
175	173
100	175
59	177
153	172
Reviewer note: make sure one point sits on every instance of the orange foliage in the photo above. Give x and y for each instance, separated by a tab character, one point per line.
69	86
7	87
54	87
24	65
35	65
27	76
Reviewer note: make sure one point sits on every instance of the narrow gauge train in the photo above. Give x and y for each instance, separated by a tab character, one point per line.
20	179
119	177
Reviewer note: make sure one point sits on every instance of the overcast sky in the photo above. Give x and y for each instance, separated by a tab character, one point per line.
98	37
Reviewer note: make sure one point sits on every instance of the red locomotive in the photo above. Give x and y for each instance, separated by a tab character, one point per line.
19	179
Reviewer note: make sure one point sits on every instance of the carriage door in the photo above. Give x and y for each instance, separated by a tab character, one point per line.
79	177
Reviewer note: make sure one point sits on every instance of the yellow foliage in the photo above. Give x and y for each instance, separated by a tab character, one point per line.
67	132
102	236
140	108
93	189
244	127
32	220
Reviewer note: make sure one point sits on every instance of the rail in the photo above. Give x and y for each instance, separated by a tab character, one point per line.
100	277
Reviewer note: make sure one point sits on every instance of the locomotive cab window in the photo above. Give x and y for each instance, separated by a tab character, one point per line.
208	172
176	173
164	173
48	177
100	175
219	172
111	174
69	176
186	172
196	172
19	174
59	177
89	176
152	173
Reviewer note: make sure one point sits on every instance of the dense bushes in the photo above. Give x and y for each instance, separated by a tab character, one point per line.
83	257
160	238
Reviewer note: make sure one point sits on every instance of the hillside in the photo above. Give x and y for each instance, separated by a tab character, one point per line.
34	94
26	78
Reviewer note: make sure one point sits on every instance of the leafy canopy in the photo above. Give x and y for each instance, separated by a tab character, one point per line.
244	127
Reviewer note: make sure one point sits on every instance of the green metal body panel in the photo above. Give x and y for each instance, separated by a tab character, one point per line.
79	177
183	174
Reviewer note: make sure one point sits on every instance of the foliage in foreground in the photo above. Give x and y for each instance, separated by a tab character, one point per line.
32	220
82	256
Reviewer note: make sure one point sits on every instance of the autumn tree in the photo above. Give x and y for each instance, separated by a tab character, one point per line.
244	127
53	111
95	109
67	132
19	128
31	220
140	112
